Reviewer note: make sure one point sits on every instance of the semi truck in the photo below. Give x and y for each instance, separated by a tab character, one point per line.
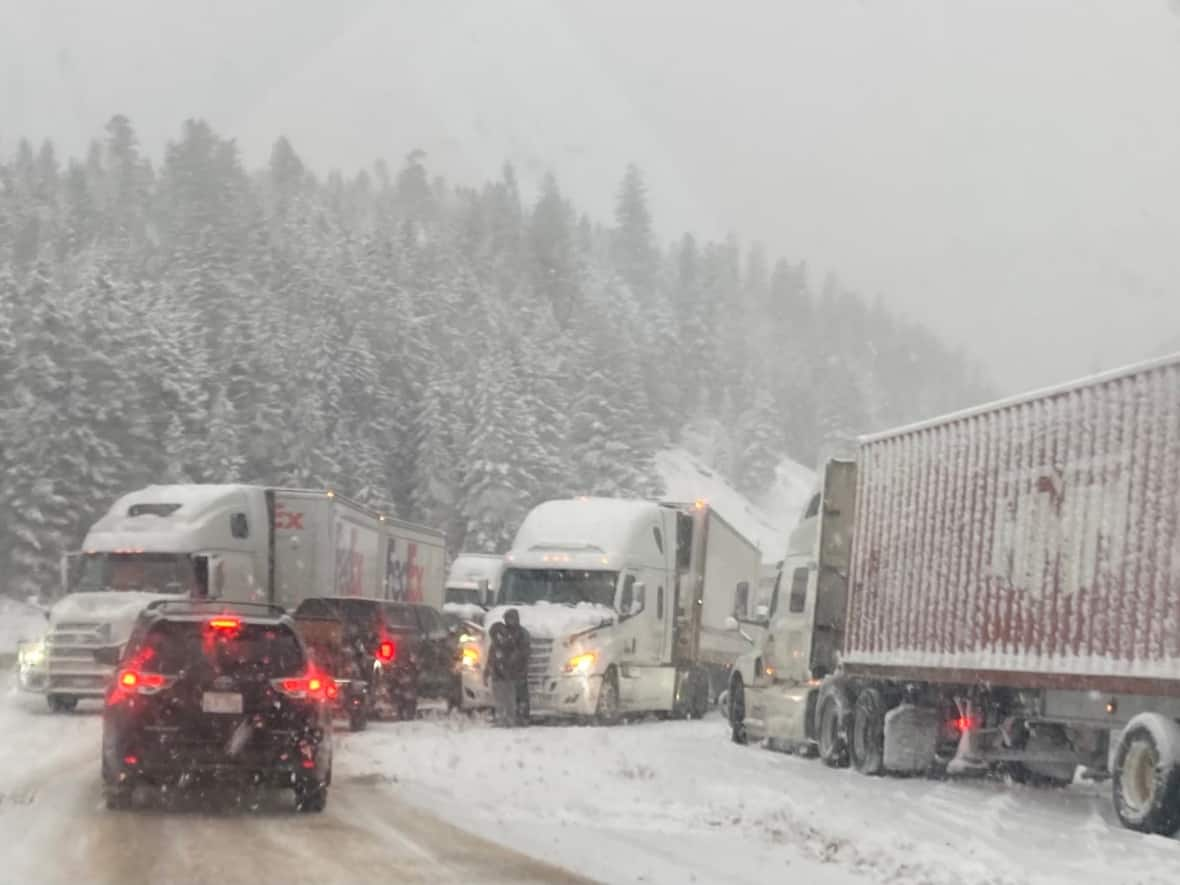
472	584
995	589
626	603
233	542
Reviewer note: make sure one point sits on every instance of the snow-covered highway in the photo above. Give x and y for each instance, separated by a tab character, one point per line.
446	800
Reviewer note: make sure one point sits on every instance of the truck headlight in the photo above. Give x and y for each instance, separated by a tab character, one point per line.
470	658
32	655
580	665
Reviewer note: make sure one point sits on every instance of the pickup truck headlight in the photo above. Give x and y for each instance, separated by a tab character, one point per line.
580	665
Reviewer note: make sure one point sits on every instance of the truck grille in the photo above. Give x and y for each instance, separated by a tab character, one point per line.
70	657
540	651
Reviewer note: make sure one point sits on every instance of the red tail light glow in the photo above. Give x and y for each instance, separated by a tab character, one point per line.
142	682
963	723
228	624
386	650
315	686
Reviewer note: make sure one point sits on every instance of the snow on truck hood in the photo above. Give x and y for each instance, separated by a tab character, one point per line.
122	606
546	621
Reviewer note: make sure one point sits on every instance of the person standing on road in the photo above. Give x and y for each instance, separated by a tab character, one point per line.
508	668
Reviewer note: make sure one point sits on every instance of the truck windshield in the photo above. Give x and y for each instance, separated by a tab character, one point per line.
463	597
558	586
154	572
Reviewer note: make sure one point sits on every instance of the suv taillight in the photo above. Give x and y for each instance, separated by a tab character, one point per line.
139	682
386	650
314	686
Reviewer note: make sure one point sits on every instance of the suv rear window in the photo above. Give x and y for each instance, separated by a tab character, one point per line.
271	649
401	616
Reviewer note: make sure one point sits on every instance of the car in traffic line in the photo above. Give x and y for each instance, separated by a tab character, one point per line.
217	692
412	649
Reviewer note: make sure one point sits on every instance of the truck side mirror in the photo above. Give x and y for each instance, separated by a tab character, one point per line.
485	592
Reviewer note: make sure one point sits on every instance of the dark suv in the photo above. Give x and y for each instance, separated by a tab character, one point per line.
412	650
210	690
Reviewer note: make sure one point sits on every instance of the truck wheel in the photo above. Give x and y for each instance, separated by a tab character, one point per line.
607	712
1146	782
737	712
61	703
833	747
867	746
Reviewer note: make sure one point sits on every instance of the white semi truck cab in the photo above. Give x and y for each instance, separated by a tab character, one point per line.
157	543
625	602
239	543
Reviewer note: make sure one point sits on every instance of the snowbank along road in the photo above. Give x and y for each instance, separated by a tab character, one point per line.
444	800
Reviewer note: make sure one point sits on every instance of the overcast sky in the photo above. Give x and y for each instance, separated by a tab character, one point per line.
1005	171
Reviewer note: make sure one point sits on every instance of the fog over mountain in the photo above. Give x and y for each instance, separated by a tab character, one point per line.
1002	171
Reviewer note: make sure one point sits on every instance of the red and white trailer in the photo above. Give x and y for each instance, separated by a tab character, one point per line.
999	586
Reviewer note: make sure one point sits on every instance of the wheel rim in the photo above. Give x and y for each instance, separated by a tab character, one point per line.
1138	777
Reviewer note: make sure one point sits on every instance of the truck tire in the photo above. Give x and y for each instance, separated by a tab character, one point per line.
607	711
61	703
737	712
832	730
866	745
1146	775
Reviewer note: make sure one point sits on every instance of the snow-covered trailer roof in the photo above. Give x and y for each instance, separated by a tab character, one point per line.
1034	541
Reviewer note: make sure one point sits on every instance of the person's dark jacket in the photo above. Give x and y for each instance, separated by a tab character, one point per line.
509	657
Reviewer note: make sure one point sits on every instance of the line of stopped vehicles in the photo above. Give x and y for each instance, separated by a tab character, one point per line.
996	590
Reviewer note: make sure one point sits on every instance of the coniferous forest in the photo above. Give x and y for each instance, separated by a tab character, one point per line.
449	354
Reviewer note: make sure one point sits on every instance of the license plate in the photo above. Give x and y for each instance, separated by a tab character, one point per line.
221	702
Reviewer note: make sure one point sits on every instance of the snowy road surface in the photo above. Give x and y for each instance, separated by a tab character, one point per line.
652	802
58	831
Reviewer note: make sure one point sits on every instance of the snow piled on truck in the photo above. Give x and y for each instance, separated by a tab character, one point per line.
546	621
766	520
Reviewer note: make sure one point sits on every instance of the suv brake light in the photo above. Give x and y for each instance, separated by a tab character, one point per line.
140	682
316	687
229	625
386	650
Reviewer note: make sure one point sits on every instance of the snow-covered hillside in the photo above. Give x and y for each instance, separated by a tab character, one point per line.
766	521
